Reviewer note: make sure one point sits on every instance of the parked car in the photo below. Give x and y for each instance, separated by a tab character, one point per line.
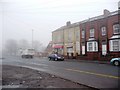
115	61
55	57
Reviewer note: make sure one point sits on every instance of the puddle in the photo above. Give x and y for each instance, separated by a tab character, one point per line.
10	86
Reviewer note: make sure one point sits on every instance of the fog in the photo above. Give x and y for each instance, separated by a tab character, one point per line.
19	17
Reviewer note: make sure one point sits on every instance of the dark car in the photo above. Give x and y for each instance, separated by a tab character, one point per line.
55	57
115	61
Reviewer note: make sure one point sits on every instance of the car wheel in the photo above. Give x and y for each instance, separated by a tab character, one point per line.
49	59
55	59
116	63
22	56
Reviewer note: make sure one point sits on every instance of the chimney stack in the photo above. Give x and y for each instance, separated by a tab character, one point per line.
68	23
106	12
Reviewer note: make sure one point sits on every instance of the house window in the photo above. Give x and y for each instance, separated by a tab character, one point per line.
70	36
114	45
95	46
104	48
92	46
116	28
83	50
91	32
77	33
83	34
103	29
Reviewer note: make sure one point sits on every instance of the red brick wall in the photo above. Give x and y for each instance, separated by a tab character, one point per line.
97	24
89	25
111	20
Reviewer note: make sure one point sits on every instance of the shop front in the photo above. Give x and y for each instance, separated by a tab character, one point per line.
58	49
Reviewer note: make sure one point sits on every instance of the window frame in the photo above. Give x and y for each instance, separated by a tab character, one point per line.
112	46
115	46
83	33
103	31
116	28
92	32
104	48
94	46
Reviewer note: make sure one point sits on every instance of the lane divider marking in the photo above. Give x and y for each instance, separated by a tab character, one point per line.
97	74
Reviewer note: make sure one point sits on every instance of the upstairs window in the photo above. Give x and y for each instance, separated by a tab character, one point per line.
83	34
103	29
92	32
116	29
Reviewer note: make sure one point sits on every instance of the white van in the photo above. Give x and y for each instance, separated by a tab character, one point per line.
28	53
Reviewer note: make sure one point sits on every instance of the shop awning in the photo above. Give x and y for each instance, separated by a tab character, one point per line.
58	46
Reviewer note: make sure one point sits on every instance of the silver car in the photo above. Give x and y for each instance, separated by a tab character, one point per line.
115	61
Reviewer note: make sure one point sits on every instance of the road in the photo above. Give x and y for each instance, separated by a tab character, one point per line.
90	74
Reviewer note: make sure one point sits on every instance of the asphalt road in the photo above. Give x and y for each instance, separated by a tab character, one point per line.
90	74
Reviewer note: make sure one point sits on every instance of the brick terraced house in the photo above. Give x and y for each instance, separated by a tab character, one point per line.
100	37
96	38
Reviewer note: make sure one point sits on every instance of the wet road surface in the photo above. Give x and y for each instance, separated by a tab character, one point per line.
90	74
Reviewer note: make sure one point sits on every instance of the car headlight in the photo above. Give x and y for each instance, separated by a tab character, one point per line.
59	57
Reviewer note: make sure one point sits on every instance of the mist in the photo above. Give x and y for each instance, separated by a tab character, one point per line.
19	17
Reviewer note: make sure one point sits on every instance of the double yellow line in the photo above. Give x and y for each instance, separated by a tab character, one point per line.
92	73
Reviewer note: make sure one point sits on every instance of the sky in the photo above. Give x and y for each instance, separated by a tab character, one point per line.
19	17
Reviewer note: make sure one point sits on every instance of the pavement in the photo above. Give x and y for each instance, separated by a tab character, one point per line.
88	61
21	77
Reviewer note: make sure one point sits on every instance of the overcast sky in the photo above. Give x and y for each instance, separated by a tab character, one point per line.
19	17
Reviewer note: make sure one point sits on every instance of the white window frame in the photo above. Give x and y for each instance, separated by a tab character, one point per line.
94	46
77	35
103	30
112	46
78	47
116	29
69	49
83	49
104	48
90	46
92	32
83	34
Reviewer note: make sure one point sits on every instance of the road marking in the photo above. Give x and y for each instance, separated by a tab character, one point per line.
97	74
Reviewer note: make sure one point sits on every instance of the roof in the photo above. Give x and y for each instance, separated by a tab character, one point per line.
87	20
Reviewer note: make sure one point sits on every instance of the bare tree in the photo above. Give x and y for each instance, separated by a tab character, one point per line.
23	44
11	47
37	45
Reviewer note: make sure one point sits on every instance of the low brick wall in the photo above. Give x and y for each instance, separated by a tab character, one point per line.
95	56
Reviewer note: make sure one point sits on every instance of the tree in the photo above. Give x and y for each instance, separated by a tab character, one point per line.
37	45
11	47
23	44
